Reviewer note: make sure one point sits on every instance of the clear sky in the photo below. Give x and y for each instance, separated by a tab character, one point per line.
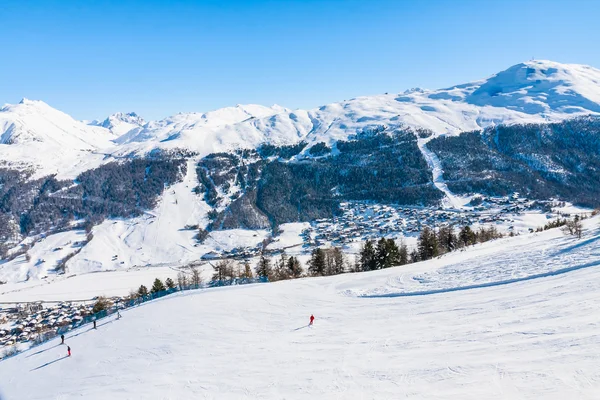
93	58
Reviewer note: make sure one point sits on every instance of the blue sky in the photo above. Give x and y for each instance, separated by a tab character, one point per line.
94	58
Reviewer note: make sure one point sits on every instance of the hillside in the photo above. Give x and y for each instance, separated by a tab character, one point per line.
421	331
513	150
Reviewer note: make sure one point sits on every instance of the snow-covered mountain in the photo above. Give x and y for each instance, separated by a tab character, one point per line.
203	132
32	121
35	135
534	91
121	123
531	92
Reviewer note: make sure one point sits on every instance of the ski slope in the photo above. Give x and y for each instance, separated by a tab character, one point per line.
533	338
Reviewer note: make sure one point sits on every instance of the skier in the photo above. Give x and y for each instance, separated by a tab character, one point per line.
62	337
68	351
312	318
94	323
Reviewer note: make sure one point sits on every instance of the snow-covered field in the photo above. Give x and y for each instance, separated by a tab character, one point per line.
530	332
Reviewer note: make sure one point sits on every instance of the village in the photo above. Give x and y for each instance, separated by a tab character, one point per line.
31	322
364	221
361	221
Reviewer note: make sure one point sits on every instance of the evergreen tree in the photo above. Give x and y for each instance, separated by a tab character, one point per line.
414	256
316	264
282	271
447	239
387	253
403	254
356	267
381	254
368	256
427	244
335	262
158	286
142	291
466	236
169	283
294	267
263	268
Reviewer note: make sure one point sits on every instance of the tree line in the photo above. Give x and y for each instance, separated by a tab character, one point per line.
431	243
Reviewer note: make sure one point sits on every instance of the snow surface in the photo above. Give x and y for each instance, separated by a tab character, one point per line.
533	337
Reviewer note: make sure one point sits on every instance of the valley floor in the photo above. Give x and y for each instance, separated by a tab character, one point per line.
377	335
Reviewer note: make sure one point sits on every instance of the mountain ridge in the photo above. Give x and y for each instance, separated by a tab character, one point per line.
530	92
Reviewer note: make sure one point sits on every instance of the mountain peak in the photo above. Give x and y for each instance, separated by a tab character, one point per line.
541	86
121	123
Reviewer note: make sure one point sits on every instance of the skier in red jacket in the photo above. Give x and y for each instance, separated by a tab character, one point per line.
69	351
312	318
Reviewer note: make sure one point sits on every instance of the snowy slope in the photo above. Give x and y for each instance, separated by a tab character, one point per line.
530	339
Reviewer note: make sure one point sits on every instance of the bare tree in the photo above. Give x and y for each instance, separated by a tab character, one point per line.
573	227
223	270
247	274
182	280
196	279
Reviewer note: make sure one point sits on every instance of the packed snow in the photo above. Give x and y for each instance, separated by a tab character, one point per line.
531	337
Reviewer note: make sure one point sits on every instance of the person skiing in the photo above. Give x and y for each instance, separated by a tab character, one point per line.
94	322
68	351
312	318
62	337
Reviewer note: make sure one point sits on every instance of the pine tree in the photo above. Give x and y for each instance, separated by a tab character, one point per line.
142	291
263	269
169	283
403	254
387	253
316	264
294	267
466	236
381	254
339	262
414	256
447	239
356	267
282	271
158	286
427	244
368	259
